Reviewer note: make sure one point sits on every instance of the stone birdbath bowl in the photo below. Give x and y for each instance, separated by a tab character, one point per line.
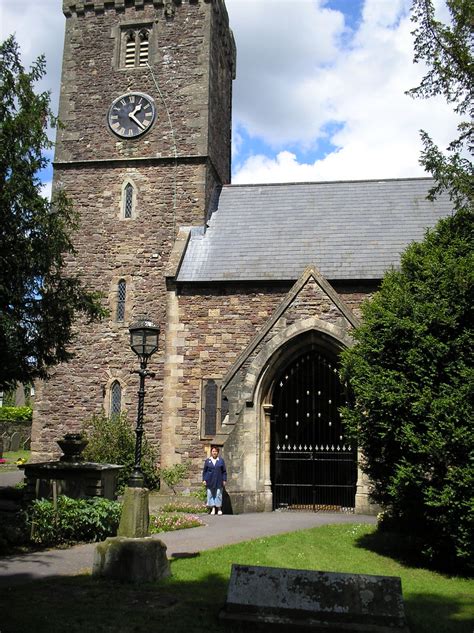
72	445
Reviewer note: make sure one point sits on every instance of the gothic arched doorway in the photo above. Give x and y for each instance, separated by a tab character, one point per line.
313	466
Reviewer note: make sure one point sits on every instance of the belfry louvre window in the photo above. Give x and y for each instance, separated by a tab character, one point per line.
137	47
115	398
214	407
128	201
121	298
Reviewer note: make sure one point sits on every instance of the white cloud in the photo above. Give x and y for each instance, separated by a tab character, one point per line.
299	69
38	26
46	189
279	47
359	84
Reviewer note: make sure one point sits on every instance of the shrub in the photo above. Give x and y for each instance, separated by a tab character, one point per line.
9	398
170	522
13	532
200	494
411	376
112	441
72	520
18	415
174	475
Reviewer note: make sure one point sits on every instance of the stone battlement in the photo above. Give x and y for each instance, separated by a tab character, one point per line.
169	7
80	7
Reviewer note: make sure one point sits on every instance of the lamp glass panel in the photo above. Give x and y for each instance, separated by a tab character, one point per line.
150	341
137	342
144	339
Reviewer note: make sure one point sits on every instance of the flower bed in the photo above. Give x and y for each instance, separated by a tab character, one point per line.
166	522
189	507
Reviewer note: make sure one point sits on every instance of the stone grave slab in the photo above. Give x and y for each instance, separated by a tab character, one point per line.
6	442
15	441
293	599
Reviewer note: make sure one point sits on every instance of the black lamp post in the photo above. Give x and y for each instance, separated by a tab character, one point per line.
144	342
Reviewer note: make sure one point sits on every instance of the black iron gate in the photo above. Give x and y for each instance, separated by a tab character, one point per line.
313	465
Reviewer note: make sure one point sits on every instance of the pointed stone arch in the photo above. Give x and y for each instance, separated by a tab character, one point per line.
128	199
240	382
249	384
325	335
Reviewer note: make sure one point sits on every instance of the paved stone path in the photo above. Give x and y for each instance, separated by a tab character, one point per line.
218	531
10	477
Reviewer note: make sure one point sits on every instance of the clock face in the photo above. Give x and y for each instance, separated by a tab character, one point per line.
131	114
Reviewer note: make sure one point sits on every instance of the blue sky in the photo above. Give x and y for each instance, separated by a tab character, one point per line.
320	86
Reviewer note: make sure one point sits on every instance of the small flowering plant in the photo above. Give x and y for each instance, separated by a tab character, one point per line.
166	522
3	460
187	507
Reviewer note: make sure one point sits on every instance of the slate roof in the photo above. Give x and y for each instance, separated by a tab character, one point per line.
347	230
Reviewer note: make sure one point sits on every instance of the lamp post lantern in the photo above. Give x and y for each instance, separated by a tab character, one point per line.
144	342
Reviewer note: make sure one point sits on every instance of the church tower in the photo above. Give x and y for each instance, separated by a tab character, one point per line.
145	105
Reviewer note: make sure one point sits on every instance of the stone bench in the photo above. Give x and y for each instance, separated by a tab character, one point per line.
292	599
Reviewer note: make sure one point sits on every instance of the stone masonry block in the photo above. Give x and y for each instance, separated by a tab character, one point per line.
131	559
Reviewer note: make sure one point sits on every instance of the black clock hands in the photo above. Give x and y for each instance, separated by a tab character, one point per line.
131	115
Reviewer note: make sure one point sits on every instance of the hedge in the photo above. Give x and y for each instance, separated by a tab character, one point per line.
21	415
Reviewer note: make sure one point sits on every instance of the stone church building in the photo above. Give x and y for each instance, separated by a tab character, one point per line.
256	288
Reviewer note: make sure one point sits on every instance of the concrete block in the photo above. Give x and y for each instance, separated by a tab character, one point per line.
135	517
315	600
131	559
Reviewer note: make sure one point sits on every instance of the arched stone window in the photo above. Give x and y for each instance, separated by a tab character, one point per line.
137	47
214	407
115	398
130	45
143	47
128	200
121	299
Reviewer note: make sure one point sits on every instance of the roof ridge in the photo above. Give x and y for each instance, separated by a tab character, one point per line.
324	182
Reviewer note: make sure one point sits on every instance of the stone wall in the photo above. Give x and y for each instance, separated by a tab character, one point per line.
12	430
221	74
171	168
212	327
181	61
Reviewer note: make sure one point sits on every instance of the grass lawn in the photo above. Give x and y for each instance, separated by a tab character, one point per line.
190	600
11	457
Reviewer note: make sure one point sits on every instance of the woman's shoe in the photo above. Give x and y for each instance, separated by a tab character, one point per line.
213	511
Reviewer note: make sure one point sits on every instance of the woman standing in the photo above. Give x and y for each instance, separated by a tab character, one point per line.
214	476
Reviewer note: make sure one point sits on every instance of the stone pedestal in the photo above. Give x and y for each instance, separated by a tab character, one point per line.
131	559
135	517
77	480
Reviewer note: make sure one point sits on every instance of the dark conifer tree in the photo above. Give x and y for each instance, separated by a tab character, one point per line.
411	370
39	300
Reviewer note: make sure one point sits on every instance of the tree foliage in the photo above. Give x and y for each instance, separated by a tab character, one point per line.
38	299
112	441
411	375
410	371
447	51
